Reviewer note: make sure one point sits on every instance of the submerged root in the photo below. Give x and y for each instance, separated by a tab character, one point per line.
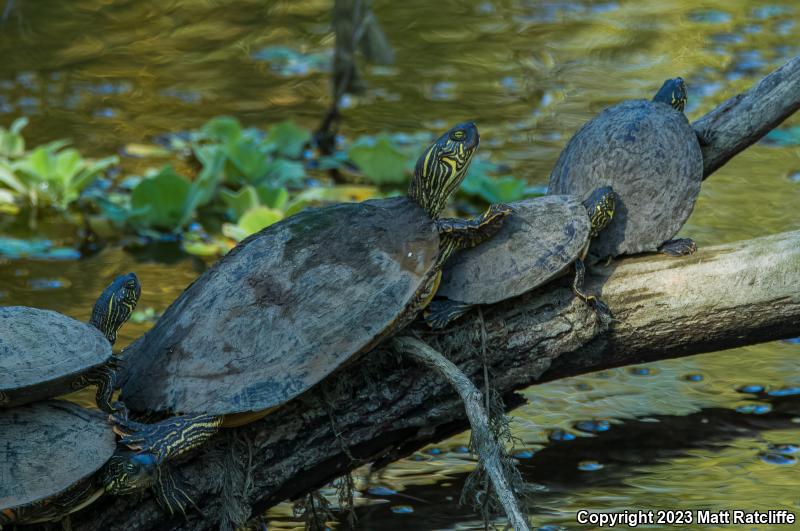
494	459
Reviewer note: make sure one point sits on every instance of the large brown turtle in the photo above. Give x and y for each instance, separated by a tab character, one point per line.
292	303
650	155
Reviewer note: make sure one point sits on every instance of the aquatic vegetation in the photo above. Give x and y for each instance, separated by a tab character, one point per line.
49	175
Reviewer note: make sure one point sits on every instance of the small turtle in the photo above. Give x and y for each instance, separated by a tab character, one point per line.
538	242
293	302
44	354
59	457
650	155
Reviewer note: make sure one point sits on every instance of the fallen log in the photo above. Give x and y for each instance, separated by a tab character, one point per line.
385	406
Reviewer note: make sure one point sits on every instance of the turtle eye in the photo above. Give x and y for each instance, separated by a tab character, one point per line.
457	135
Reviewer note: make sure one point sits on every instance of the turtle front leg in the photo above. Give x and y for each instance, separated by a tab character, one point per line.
600	308
442	312
168	439
678	247
458	233
105	378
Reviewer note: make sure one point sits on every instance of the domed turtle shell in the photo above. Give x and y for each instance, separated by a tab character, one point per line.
323	286
43	353
649	154
537	242
48	447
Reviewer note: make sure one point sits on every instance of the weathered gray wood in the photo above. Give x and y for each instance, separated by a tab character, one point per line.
745	118
384	407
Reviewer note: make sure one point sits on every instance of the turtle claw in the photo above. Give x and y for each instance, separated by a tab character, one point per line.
602	311
678	247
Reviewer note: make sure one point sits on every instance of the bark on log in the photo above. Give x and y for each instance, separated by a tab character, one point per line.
745	118
384	407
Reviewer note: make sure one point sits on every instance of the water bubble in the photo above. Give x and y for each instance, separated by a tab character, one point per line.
561	435
642	371
693	377
589	466
46	283
523	454
754	409
593	426
381	491
402	509
777	459
461	450
783	448
784	391
709	16
794	177
751	388
434	451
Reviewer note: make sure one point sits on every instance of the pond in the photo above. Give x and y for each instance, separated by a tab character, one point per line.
685	433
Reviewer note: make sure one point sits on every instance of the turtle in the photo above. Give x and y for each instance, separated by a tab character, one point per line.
537	243
59	457
292	303
649	153
44	354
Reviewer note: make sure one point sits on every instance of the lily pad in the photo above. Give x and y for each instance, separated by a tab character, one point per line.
251	222
288	139
160	200
380	161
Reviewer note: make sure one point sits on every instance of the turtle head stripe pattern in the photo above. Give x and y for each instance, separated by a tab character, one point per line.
673	93
442	167
127	472
600	207
115	305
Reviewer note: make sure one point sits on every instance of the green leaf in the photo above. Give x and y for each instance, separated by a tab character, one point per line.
248	162
273	197
288	139
282	171
205	184
239	202
382	163
503	189
161	200
251	222
225	129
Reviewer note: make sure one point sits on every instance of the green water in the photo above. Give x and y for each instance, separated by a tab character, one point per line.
106	74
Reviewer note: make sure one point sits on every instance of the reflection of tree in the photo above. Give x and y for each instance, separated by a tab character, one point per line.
356	29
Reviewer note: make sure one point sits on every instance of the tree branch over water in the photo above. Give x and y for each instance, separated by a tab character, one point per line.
745	118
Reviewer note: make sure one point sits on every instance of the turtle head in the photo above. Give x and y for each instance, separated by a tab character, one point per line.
128	472
442	167
673	93
600	207
115	305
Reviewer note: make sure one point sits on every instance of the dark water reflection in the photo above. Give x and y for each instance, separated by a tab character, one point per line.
106	74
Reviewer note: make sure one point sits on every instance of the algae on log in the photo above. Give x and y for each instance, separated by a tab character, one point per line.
385	407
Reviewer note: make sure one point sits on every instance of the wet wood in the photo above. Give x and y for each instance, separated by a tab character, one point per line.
745	118
386	406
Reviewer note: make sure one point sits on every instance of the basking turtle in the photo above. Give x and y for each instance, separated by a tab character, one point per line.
59	457
44	354
650	155
538	242
293	302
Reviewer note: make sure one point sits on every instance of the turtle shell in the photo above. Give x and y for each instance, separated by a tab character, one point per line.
48	447
650	155
43	352
536	243
284	309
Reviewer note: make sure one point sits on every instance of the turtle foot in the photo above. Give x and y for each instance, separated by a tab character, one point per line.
678	247
441	313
